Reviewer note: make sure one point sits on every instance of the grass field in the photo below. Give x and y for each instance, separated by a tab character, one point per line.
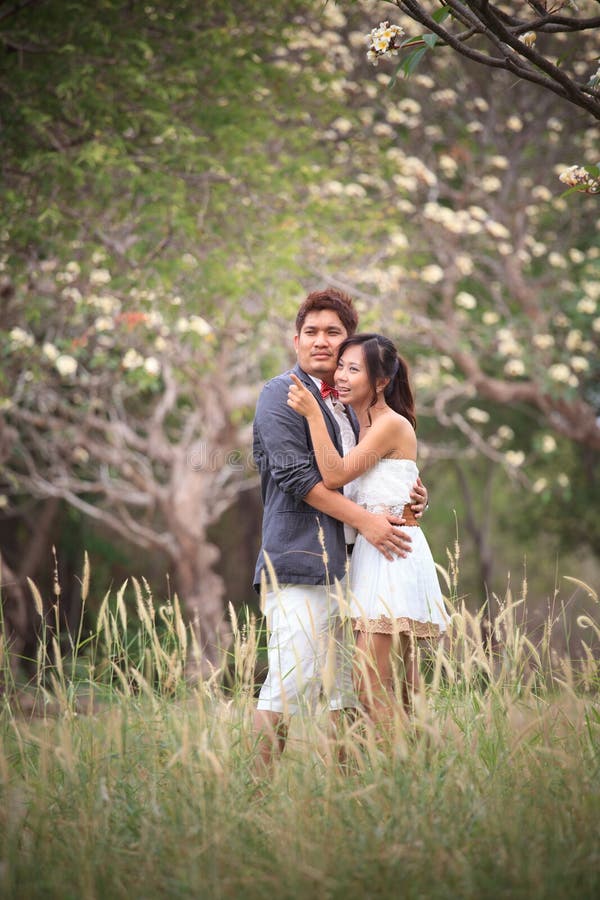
119	780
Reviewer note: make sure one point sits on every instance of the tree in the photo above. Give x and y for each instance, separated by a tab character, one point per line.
529	42
176	179
131	293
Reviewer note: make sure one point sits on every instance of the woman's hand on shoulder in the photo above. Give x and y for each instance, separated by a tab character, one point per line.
301	400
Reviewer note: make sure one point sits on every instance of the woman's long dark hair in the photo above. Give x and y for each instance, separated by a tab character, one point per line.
383	361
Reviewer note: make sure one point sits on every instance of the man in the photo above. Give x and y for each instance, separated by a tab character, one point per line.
308	529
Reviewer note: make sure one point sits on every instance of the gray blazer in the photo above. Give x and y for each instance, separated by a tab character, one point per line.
283	452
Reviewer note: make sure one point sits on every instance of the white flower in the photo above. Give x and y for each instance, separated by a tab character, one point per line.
3	501
383	41
65	365
542	341
548	444
199	325
478	213
514	123
514	458
577	176
448	165
464	264
99	276
592	288
341	125
432	274
505	433
355	190
21	338
398	240
563	480
573	339
579	364
50	351
80	455
596	325
490	184
478	415
132	359
104	323
557	260
71	293
559	372
151	365
587	305
541	192
73	268
514	367
447	96
490	318
539	485
465	300
497	229
382	129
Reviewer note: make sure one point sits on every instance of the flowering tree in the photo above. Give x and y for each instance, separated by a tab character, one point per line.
529	42
131	330
474	259
169	202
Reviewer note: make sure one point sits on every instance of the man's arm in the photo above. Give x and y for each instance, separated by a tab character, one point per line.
379	530
419	500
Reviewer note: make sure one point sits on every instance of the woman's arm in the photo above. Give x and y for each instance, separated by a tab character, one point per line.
381	440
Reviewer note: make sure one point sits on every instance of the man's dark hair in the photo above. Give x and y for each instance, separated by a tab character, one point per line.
332	299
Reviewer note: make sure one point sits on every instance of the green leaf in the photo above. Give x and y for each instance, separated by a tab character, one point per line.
413	59
430	39
440	14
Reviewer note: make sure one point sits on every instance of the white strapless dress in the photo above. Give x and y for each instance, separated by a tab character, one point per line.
402	595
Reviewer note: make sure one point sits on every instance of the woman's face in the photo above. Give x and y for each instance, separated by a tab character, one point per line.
351	377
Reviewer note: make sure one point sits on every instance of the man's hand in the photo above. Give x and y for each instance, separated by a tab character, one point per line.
382	532
418	498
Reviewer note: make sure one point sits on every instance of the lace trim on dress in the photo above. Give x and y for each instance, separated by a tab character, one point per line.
403	625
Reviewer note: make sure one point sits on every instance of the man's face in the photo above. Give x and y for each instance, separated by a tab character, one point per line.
318	342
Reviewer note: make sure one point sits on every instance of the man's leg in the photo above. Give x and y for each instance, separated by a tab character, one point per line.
294	615
338	683
270	733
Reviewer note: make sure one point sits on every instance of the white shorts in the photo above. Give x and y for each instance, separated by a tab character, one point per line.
307	651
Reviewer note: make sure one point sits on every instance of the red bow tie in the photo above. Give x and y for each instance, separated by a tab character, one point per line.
326	390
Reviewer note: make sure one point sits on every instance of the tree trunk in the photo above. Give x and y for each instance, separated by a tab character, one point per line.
201	592
15	620
41	525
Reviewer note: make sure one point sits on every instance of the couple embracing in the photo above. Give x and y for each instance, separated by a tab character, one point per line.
335	445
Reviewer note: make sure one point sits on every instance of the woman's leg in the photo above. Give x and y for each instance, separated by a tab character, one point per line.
411	684
374	678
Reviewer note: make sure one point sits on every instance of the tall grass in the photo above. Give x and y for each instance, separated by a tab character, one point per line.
119	779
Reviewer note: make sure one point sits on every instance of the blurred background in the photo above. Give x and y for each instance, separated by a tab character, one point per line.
176	177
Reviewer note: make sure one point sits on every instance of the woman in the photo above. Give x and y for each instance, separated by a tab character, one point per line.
392	602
